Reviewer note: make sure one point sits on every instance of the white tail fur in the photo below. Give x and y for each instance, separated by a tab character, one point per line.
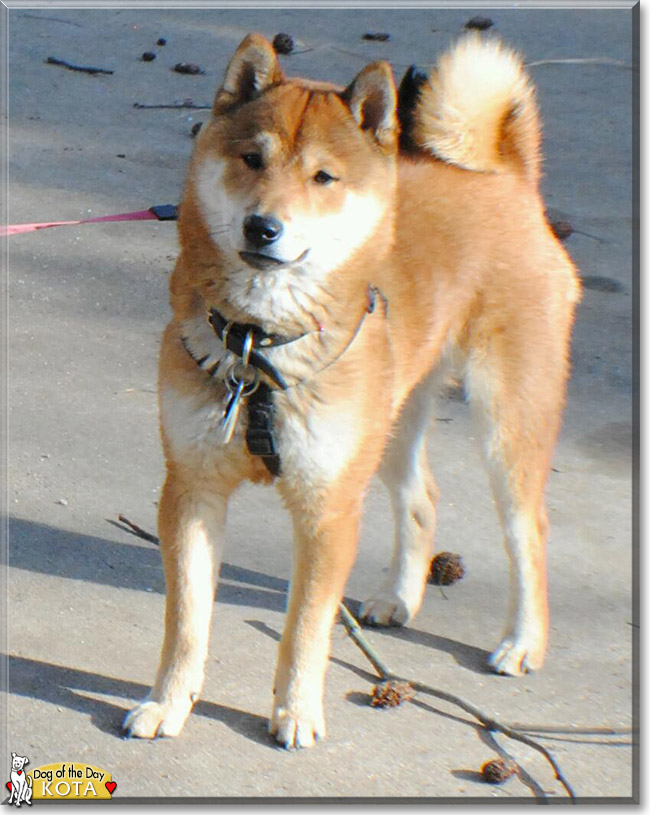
478	110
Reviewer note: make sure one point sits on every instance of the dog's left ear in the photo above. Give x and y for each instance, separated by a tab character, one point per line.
372	100
253	68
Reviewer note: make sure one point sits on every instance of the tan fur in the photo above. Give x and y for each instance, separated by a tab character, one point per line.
475	283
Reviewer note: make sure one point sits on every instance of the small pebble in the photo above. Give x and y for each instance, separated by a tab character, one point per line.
62	502
283	43
479	23
148	56
161	41
376	37
187	68
498	770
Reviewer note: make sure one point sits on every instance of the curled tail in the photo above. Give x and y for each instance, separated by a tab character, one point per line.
477	109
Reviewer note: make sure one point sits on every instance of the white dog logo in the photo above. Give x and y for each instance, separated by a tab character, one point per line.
21	785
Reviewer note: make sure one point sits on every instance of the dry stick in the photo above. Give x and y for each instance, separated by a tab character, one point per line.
354	630
86	69
51	19
493	724
617	63
173	106
137	530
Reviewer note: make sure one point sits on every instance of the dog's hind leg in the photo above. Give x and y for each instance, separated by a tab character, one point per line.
191	523
414	494
517	395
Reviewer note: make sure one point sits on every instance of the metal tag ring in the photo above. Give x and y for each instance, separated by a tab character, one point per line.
239	373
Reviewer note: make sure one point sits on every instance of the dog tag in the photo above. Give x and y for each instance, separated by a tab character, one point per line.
241	381
231	414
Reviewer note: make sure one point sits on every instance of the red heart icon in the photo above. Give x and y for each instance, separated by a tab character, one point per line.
20	772
110	786
9	785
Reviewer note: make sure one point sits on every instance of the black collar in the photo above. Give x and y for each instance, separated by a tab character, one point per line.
233	336
237	333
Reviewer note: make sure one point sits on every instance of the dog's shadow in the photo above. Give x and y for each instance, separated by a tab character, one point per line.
467	656
74	689
45	549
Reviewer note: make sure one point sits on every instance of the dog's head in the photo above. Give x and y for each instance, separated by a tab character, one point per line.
291	178
18	762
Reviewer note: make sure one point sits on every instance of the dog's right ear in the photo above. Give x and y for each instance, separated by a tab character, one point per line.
253	68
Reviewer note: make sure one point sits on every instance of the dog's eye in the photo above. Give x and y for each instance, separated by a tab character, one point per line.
252	160
322	177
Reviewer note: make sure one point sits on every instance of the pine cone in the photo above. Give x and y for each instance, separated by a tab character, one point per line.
446	568
498	770
391	693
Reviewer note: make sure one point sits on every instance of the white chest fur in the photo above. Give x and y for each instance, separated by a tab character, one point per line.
314	446
192	427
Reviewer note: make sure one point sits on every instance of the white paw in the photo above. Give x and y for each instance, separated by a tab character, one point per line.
516	657
293	731
385	609
152	720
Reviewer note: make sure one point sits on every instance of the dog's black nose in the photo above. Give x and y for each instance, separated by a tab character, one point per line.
262	230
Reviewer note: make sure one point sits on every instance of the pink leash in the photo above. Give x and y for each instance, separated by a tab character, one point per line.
161	212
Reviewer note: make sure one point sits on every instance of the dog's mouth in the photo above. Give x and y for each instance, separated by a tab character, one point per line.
264	262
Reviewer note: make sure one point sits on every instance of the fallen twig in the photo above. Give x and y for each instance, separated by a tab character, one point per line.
137	530
173	106
51	19
493	724
354	630
488	722
617	63
86	69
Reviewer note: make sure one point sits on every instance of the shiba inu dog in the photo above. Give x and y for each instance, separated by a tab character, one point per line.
332	272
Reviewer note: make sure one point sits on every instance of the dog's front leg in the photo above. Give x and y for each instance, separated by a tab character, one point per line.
324	551
191	524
